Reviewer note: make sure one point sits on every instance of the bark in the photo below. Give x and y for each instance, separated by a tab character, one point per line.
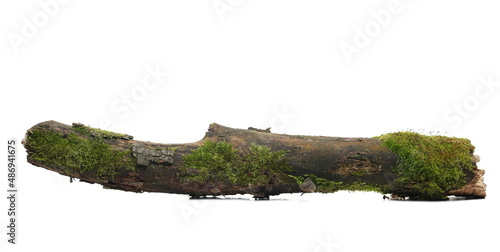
156	166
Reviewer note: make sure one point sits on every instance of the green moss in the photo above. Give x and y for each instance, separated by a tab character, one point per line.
213	161
98	133
220	162
76	154
358	173
322	185
328	186
429	166
161	148
361	187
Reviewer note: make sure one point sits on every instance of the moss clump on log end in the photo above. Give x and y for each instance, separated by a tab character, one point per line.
429	166
87	151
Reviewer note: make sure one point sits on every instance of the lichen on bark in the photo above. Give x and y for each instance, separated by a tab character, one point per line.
146	154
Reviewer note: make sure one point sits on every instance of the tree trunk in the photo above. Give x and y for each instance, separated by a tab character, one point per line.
152	167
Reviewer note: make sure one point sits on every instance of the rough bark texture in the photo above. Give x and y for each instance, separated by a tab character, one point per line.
155	167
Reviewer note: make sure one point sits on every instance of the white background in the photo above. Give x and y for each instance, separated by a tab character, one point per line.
264	64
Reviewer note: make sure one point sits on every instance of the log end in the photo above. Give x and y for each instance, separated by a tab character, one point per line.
474	189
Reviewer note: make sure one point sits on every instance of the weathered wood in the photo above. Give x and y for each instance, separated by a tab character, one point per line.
155	167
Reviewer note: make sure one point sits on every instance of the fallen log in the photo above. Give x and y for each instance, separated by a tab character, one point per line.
231	161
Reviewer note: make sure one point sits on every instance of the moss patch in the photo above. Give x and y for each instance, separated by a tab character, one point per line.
215	162
361	187
322	185
429	166
76	154
358	173
328	186
98	133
